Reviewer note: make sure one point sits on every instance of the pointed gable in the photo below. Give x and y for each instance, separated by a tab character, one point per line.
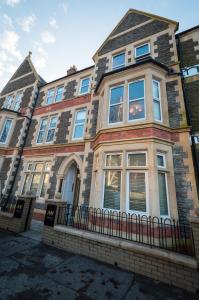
23	69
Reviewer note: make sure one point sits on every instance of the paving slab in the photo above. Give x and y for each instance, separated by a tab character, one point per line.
30	270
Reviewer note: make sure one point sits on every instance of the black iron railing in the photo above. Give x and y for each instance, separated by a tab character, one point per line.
153	231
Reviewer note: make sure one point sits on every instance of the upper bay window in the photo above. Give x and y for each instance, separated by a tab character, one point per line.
54	95
5	131
118	61
85	86
136	100
13	102
79	124
142	50
156	100
47	130
116	104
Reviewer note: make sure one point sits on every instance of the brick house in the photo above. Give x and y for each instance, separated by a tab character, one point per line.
115	135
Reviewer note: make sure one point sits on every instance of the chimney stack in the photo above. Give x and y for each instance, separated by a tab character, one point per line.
72	70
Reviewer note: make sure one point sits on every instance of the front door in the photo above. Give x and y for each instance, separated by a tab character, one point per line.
69	184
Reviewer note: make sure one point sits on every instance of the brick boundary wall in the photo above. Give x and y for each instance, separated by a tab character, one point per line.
9	222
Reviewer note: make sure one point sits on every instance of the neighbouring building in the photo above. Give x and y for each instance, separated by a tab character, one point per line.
116	135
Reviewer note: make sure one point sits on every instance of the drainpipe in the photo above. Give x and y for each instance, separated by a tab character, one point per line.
20	152
188	114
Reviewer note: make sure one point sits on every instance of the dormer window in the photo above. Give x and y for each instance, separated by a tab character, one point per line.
118	61
142	50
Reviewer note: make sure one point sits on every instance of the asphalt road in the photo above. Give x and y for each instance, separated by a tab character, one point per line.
31	270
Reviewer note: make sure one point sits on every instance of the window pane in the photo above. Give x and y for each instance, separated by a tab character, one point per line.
136	110
113	160
26	184
85	86
78	132
116	114
118	61
48	166
137	192
136	159
50	96
29	167
157	110
136	90
17	101
5	132
43	124
156	93
35	184
59	93
160	160
162	194
53	122
44	185
112	189
38	167
9	101
41	136
80	116
142	50
117	95
85	81
50	135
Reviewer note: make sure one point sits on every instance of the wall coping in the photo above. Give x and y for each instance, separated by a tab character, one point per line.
6	214
131	246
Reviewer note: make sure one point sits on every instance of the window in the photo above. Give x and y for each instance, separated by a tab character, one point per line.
59	93
84	86
142	50
162	184
37	178
116	104
80	118
112	182
191	71
50	96
156	100
136	159
13	102
47	130
136	100
5	131
118	61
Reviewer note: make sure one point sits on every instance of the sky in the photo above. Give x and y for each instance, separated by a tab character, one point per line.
62	33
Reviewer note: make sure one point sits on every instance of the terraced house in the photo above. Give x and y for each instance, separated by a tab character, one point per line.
116	135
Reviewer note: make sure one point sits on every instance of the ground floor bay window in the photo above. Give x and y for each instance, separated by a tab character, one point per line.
134	184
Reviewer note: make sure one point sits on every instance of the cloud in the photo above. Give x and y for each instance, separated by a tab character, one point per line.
53	23
7	20
27	22
48	38
12	2
65	7
9	43
41	56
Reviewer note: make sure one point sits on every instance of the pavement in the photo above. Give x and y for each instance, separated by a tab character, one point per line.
30	270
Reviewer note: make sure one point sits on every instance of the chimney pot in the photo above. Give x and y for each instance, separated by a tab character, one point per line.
72	70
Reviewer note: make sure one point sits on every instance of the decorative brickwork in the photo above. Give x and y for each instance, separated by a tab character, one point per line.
101	68
5	169
40	99
16	133
31	132
87	180
25	102
163	50
70	89
131	20
192	94
94	116
64	123
173	105
188	52
133	36
2	100
23	69
19	84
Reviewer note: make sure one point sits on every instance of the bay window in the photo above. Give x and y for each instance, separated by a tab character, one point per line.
47	130
5	131
79	124
136	100
116	104
156	100
162	184
36	178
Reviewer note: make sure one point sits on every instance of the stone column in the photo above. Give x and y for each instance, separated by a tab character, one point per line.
194	221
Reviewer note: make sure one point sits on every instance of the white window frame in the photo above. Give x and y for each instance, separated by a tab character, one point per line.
119	66
89	85
137	56
14	102
56	101
4	124
146	189
53	99
109	105
74	125
128	110
46	130
136	167
164	160
113	153
156	99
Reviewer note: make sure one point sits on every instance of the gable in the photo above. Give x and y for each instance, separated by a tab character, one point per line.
23	69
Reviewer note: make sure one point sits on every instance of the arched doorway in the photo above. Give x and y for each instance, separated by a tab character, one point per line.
71	184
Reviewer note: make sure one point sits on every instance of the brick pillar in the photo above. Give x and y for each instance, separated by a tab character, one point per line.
194	221
58	204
